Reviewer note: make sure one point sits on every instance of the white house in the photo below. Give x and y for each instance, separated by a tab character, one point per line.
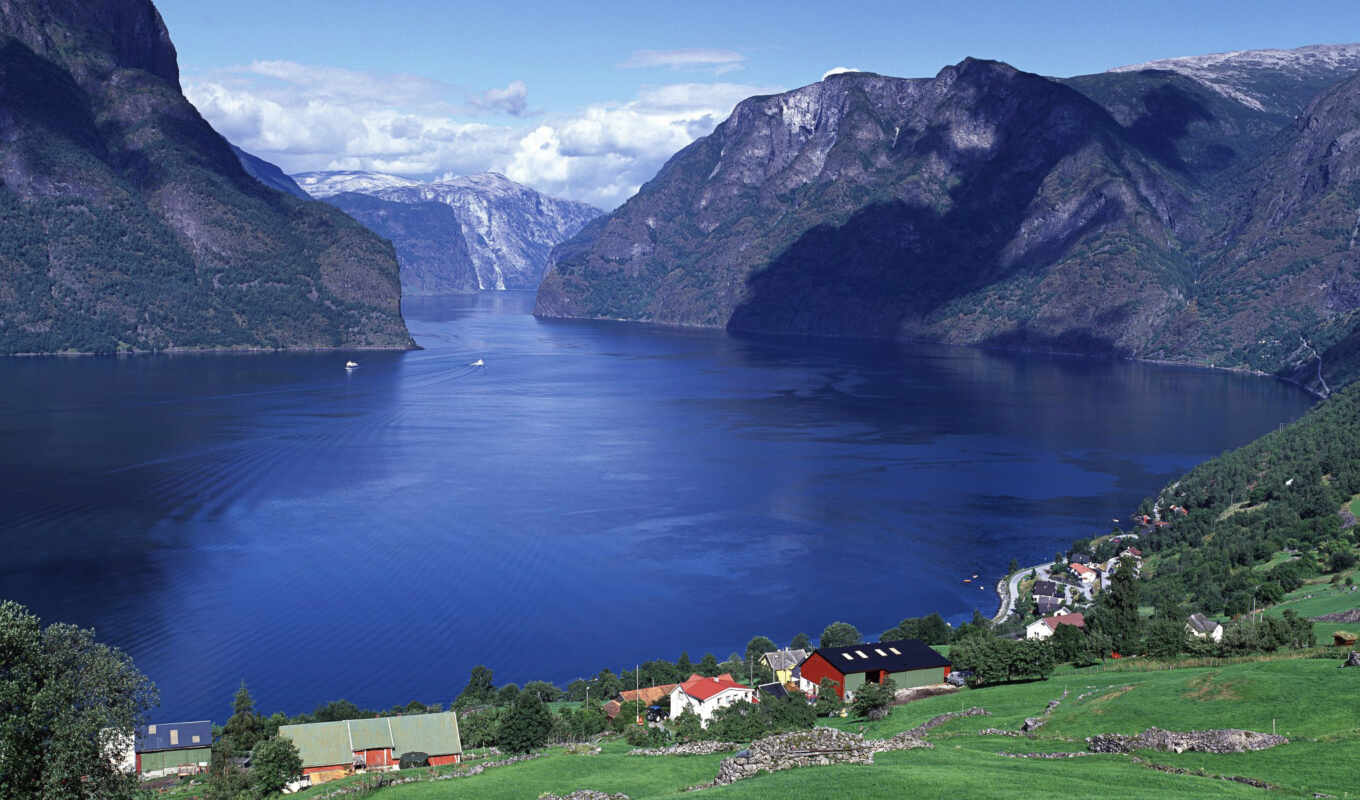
1044	628
1084	573
1201	627
703	695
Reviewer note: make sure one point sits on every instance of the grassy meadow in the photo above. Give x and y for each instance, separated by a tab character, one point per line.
1310	700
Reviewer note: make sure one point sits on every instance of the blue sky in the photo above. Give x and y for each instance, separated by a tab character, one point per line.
587	100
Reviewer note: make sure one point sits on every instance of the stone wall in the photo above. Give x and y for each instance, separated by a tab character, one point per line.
1227	740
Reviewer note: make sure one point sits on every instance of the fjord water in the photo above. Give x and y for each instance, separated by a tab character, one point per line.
598	494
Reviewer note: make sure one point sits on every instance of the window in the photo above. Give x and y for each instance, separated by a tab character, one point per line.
150	729
880	652
174	736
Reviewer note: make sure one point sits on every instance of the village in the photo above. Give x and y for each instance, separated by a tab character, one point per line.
1042	602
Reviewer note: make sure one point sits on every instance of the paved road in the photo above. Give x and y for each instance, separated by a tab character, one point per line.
1008	589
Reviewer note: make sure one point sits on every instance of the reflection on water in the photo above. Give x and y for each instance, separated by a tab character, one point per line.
603	493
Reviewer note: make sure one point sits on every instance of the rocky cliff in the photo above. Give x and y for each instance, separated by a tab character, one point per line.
1145	213
983	205
129	224
508	228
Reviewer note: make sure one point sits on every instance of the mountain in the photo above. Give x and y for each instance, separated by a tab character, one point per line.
1169	213
1276	82
508	229
268	174
129	224
985	205
430	246
1285	293
322	185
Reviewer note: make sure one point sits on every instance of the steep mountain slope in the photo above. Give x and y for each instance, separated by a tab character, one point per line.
268	174
509	229
430	247
1287	288
130	224
985	205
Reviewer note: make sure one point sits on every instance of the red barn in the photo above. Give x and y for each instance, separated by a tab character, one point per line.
909	662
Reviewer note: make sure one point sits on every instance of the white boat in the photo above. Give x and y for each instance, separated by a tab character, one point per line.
478	363
351	364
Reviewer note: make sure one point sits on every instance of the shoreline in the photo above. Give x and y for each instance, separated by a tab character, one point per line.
241	350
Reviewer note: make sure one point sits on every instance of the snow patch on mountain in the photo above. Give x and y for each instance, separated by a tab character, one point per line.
1256	78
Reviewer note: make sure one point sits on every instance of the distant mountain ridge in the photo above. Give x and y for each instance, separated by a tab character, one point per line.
1137	213
130	224
507	229
1271	81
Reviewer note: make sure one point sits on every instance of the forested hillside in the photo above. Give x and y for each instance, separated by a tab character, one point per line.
1251	524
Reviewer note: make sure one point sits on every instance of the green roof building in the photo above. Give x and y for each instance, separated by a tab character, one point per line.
370	743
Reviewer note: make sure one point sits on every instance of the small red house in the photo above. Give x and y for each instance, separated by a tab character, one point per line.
909	662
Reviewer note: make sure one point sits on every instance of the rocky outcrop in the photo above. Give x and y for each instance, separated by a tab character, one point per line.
1352	660
584	794
130	224
1228	740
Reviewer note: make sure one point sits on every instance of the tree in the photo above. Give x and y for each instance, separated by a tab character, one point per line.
873	700
244	728
755	664
683	667
607	685
1013	568
545	691
828	702
480	689
526	725
1166	638
506	694
336	711
1068	643
688	727
479	728
840	634
1118	616
273	763
66	702
801	641
708	666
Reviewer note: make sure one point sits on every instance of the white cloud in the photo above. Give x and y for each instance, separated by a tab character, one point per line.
513	99
696	58
316	118
839	70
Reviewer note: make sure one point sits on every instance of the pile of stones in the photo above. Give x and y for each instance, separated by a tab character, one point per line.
584	794
1226	740
814	748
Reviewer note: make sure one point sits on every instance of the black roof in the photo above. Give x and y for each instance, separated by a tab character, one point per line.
776	689
158	736
1080	558
895	656
1047	587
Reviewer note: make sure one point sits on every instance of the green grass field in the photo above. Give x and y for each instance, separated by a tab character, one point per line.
1316	599
1312	701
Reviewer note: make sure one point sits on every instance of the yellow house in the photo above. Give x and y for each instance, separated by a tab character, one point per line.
782	663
